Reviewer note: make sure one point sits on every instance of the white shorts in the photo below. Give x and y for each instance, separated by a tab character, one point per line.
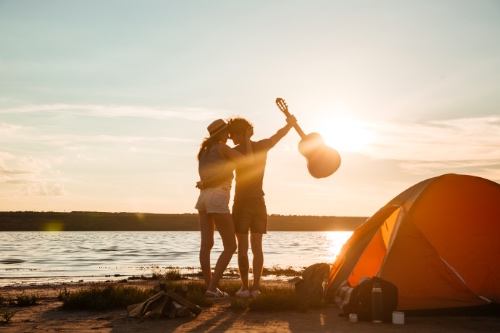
214	200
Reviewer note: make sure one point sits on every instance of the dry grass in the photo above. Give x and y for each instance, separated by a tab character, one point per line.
22	300
106	297
103	297
6	315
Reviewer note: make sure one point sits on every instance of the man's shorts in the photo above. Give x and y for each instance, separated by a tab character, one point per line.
250	214
214	200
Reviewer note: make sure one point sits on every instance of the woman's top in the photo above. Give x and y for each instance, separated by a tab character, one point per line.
211	163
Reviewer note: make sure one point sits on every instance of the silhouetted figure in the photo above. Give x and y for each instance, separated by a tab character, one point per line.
249	208
216	160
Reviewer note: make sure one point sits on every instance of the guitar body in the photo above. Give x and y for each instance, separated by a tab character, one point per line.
322	161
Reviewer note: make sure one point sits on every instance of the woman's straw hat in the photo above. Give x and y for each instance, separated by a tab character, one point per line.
216	127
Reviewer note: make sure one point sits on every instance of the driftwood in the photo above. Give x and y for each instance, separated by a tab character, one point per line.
165	303
140	309
191	306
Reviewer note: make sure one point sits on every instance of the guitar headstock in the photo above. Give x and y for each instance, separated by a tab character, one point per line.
280	102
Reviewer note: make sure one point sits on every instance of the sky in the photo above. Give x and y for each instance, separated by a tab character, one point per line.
103	104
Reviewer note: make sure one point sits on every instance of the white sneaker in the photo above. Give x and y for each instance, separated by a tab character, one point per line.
217	294
243	293
255	293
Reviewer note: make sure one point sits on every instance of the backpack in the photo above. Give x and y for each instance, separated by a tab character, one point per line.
311	286
360	299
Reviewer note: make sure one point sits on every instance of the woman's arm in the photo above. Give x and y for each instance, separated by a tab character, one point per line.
216	179
232	155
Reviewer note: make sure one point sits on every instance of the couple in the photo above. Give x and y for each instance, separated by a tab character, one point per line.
216	163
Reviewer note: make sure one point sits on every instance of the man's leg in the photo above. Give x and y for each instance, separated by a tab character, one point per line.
243	263
258	228
242	220
258	259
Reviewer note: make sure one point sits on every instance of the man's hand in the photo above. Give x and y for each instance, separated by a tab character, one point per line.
291	121
200	185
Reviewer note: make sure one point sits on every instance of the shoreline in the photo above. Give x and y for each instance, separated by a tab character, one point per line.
187	273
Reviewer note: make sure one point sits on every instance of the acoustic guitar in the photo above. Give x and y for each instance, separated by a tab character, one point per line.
322	161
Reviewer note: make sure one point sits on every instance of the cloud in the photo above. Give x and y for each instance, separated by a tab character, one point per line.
467	139
78	142
34	187
110	139
81	142
31	176
424	166
16	181
455	144
113	110
45	189
5	170
6	129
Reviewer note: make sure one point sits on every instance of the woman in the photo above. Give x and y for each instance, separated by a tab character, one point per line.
216	160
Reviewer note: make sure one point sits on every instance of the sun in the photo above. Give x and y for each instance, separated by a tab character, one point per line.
344	133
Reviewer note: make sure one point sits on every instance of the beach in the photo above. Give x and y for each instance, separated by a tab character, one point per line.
48	316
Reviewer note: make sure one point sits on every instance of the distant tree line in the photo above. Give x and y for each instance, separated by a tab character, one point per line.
103	221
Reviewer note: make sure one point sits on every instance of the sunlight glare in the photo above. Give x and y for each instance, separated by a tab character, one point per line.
337	239
342	132
53	226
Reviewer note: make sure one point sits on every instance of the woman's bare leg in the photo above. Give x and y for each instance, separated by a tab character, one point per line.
207	242
225	227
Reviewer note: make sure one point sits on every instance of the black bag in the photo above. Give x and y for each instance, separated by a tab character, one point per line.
360	301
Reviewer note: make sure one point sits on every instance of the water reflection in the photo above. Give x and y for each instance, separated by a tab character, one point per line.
97	255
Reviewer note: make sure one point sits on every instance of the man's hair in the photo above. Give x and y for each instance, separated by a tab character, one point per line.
238	125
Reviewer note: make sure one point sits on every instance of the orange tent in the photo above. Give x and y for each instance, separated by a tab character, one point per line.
438	242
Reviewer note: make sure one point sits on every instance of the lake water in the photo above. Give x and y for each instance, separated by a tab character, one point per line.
39	257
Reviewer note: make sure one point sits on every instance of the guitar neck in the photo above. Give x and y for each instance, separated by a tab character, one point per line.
296	126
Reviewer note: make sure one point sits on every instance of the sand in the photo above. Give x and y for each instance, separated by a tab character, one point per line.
49	317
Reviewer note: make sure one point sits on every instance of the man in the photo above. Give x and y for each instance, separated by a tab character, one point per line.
249	208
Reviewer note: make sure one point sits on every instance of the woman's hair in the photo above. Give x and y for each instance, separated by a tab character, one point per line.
238	125
207	143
